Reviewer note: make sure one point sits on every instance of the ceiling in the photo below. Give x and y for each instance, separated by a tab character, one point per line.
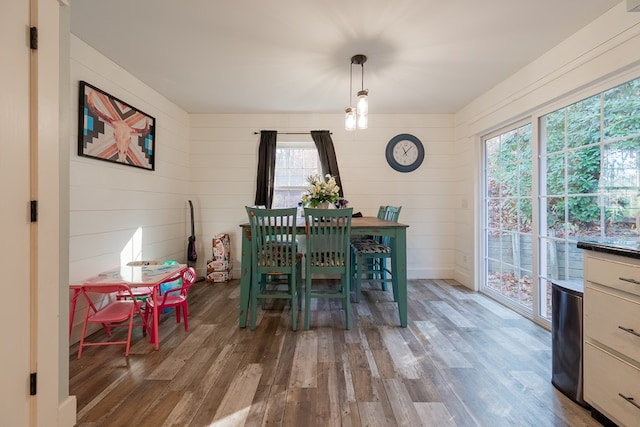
293	56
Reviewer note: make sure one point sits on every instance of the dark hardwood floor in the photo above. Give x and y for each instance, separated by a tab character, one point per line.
463	360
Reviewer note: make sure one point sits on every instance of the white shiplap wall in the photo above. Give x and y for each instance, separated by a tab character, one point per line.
224	160
211	159
110	202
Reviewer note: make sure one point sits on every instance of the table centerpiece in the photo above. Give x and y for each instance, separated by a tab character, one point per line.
322	192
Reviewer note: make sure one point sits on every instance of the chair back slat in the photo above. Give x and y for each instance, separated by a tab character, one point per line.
392	213
328	238
273	238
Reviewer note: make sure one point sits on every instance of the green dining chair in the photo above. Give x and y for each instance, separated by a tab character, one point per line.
273	255
382	210
369	256
327	253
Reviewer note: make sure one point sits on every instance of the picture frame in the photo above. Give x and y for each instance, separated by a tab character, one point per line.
112	130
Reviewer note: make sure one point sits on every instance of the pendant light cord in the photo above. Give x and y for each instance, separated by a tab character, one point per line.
350	83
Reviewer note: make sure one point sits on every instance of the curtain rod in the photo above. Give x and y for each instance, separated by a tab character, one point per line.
292	133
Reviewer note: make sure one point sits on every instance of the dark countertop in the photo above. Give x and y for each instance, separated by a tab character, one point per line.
628	248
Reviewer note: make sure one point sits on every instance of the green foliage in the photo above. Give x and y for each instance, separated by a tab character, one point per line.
621	106
583	170
584	211
571	152
509	179
583	122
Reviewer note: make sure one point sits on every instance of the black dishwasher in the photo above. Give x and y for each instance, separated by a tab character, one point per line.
566	338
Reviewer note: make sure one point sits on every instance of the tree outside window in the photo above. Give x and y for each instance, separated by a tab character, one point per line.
509	215
590	156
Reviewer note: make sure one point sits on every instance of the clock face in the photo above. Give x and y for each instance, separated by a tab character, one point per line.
405	153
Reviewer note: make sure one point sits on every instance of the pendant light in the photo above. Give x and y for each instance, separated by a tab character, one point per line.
357	117
350	119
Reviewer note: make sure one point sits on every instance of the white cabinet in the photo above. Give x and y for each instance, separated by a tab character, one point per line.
612	336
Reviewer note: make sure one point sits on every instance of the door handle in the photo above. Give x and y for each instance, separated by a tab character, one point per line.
624	279
629	399
631	331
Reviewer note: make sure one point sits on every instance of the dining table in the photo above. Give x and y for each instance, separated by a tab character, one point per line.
360	226
134	276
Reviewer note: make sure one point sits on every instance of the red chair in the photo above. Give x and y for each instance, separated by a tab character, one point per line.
111	315
175	298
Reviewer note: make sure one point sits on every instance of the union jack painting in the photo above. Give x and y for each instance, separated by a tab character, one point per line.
112	130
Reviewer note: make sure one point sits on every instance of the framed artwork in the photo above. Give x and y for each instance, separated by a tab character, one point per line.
112	130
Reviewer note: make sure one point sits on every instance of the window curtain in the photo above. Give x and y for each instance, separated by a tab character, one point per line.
328	161
266	168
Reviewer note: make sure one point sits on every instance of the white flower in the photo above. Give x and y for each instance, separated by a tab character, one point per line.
321	190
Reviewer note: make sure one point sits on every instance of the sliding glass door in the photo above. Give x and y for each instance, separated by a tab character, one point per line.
587	186
508	216
589	181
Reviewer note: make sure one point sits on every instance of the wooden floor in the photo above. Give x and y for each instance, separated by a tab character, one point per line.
463	360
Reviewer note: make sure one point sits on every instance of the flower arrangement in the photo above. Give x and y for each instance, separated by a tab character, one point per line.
321	190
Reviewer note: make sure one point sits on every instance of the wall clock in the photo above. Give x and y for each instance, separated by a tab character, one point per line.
405	153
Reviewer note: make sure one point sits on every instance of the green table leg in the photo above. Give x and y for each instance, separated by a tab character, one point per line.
245	276
399	269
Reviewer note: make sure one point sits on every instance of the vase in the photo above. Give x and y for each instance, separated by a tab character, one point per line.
324	205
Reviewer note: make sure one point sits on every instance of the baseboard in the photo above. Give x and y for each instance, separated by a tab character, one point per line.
429	273
67	412
464	279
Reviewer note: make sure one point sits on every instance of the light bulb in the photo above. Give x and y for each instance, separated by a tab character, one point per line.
349	119
363	102
363	121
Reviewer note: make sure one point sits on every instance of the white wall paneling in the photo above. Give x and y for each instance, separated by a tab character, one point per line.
112	203
212	159
224	160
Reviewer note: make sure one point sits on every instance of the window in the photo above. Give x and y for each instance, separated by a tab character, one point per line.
587	187
508	216
590	180
295	161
